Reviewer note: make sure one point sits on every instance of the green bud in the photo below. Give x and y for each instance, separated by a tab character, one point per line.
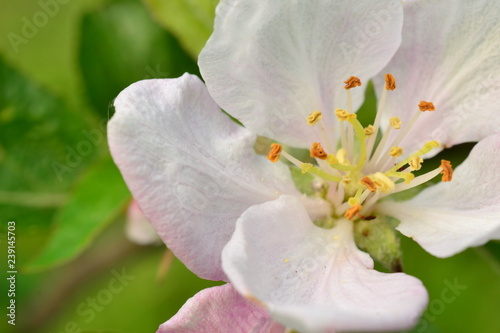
378	237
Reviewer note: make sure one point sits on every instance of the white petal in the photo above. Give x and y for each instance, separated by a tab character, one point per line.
192	170
449	217
449	56
271	63
215	310
312	279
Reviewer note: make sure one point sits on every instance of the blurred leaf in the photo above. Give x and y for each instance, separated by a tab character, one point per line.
120	45
191	21
463	286
38	130
98	198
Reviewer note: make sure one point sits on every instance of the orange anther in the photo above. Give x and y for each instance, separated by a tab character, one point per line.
447	171
353	211
317	151
275	152
390	82
426	106
352	82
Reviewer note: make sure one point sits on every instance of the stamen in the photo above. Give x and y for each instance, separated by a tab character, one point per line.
317	151
396	151
447	171
275	152
353	211
314	117
342	157
426	106
352	82
309	168
417	181
395	122
368	183
390	82
407	176
369	130
416	163
428	146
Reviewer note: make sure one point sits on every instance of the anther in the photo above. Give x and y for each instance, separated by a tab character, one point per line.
275	152
383	183
314	117
352	82
390	82
395	122
416	163
426	106
352	212
368	183
317	151
396	151
447	171
369	130
343	115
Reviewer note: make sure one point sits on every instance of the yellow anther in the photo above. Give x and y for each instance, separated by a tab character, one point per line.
352	82
426	106
368	183
306	167
383	183
429	145
395	122
317	151
353	211
274	153
343	115
314	117
353	201
416	163
396	151
447	171
342	156
332	159
390	82
369	130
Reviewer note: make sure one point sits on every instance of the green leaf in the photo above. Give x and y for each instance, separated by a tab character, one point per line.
98	198
190	21
121	44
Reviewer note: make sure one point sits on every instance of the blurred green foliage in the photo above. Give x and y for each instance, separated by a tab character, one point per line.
57	180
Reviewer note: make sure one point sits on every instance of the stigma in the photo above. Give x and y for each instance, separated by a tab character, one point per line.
360	172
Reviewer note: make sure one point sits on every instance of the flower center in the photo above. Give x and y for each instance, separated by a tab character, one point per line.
361	172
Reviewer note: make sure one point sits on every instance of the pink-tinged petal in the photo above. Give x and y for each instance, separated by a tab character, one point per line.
449	217
138	229
449	56
271	63
219	309
313	279
192	170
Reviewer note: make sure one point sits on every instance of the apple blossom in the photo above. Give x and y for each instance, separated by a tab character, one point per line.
278	66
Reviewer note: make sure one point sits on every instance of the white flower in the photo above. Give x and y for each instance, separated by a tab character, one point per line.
277	66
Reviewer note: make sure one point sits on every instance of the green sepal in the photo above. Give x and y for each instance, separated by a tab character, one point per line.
379	238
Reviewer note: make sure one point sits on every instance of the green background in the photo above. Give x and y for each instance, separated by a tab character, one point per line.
60	186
